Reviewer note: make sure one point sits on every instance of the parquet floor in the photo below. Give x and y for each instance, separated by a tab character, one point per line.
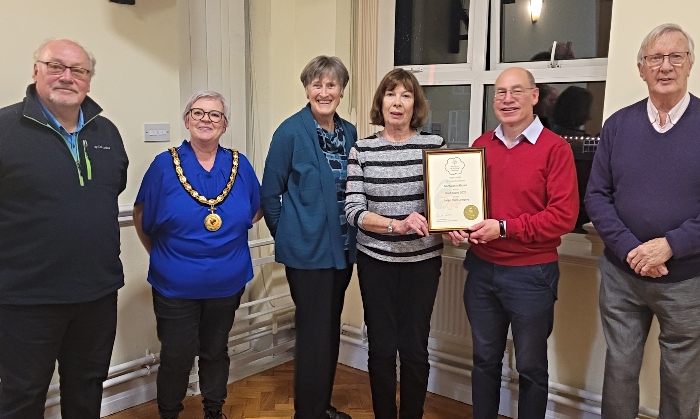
269	395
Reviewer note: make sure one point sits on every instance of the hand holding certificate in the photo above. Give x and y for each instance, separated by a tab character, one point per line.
455	188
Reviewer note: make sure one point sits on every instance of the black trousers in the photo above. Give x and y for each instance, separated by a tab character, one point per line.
79	336
319	295
187	328
398	300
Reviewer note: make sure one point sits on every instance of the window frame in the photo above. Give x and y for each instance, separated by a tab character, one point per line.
474	73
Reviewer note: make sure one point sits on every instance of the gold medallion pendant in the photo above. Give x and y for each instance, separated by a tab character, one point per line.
212	222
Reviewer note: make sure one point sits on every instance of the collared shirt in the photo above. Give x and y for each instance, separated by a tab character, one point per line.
531	133
673	115
71	138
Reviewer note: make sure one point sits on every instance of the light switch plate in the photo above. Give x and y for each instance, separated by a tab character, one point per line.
156	132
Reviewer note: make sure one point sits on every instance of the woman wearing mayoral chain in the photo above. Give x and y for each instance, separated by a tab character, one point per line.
192	214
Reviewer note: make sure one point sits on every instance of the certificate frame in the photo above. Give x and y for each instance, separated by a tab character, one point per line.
455	194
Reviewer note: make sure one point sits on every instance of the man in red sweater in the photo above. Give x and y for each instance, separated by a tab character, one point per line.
512	262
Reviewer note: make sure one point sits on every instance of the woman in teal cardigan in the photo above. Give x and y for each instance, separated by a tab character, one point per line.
303	199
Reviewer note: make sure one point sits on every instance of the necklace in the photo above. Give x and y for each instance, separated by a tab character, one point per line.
212	222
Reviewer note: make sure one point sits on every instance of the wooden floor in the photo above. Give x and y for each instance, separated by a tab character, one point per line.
269	394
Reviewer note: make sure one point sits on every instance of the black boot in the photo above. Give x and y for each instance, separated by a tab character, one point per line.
214	414
334	413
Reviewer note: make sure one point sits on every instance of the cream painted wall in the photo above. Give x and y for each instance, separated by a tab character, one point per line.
137	81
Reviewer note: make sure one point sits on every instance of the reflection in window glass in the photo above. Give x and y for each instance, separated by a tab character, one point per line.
581	29
449	113
572	110
431	31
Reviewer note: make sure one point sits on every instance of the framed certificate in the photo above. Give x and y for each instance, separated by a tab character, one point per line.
455	188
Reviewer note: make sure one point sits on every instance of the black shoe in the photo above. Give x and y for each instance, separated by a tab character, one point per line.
213	414
334	413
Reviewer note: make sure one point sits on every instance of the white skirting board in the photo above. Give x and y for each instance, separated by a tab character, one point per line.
458	387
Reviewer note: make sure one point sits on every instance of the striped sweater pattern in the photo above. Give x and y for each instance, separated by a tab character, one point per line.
386	178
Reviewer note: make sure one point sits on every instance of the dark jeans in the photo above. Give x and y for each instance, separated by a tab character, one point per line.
79	336
187	328
520	296
398	300
319	295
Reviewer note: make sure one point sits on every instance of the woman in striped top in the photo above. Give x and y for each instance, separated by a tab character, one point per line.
398	263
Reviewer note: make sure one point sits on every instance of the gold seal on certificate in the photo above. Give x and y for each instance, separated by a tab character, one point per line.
455	188
471	212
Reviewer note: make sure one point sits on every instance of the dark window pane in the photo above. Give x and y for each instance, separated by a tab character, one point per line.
431	31
449	113
572	110
581	29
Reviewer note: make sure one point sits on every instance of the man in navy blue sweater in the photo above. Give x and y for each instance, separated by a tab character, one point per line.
643	197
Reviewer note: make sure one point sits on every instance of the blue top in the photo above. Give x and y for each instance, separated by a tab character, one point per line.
187	260
644	185
299	197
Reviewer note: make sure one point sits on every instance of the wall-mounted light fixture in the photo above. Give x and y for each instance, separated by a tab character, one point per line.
535	10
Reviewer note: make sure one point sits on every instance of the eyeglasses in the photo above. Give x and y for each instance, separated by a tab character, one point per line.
56	69
214	116
675	58
516	93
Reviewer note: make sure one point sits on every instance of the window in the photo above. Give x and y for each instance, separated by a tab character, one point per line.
566	50
431	32
577	29
449	112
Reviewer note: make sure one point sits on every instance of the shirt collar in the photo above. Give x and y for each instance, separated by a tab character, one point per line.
674	115
531	133
57	125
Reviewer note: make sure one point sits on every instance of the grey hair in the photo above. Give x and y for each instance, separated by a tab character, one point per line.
661	30
324	65
88	54
207	94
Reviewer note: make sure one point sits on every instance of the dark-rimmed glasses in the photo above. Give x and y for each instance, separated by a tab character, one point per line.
56	69
214	116
675	58
516	92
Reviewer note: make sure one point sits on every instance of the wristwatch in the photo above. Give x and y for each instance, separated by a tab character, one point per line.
501	228
390	227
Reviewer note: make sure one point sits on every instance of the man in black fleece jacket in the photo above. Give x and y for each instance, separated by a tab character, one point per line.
62	167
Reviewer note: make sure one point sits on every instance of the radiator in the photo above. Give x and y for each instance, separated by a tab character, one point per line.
449	321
